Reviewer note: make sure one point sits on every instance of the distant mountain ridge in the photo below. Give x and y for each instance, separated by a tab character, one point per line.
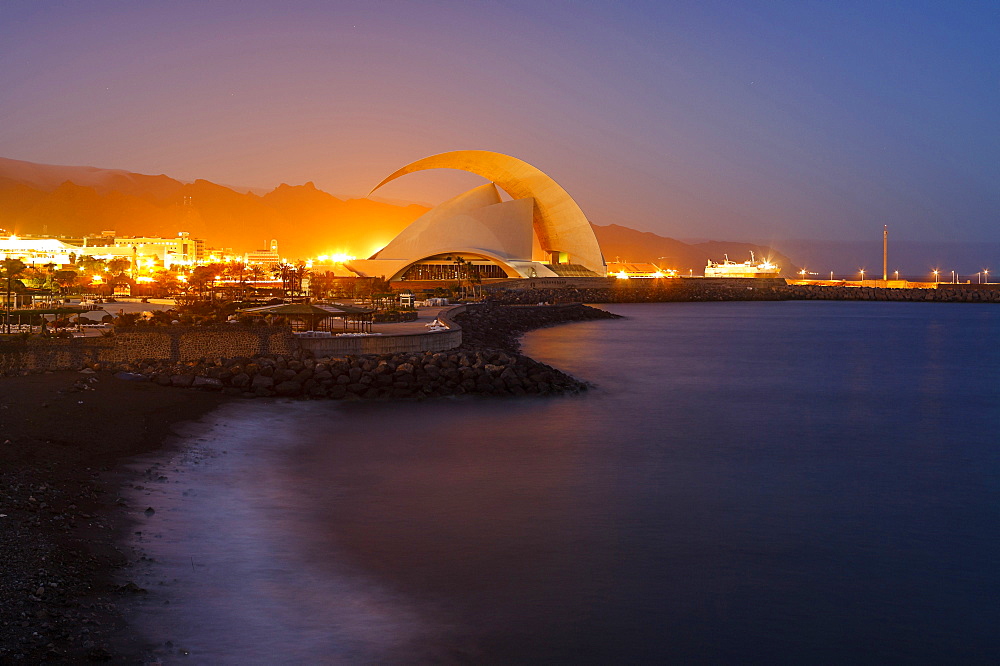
77	201
626	244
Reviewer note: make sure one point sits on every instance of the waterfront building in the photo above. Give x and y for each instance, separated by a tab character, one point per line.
38	251
477	236
141	251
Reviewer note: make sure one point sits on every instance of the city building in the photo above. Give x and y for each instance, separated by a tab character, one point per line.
149	250
268	258
38	251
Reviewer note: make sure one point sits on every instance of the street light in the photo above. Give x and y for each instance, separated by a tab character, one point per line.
897	274
986	274
803	274
936	271
862	275
953	277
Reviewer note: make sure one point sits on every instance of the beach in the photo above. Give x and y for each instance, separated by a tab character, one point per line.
61	437
65	438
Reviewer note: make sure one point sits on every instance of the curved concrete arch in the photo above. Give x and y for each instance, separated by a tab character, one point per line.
559	223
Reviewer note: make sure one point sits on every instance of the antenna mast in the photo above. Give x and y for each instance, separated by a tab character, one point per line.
885	252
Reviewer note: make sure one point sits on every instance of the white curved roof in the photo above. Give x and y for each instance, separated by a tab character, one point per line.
474	221
558	221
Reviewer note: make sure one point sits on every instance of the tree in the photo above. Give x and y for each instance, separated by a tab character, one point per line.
65	279
10	269
237	270
283	272
466	270
165	283
202	276
118	265
35	276
321	284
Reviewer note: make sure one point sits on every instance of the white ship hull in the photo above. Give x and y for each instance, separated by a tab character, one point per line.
748	269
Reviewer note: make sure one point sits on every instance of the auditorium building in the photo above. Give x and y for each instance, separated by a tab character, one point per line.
539	231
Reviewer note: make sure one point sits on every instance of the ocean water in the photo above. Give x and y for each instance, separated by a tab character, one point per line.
799	482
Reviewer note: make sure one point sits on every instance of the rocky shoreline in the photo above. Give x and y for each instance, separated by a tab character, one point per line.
63	435
687	290
487	363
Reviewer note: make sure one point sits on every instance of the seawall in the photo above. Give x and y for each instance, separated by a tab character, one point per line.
263	361
167	343
693	290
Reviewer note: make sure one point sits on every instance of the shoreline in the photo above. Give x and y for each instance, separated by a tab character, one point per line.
685	290
66	439
63	439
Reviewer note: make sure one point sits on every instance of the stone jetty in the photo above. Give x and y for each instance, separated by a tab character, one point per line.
489	362
698	290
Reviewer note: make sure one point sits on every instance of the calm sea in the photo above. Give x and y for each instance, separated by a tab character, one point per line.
792	482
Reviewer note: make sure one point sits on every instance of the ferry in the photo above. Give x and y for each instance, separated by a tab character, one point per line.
748	269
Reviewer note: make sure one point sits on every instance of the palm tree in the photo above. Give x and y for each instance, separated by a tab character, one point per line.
10	268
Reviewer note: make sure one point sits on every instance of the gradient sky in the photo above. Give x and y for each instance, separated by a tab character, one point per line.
735	120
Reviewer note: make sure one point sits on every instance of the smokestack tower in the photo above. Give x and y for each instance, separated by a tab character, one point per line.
885	252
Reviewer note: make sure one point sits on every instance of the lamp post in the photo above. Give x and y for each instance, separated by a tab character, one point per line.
897	274
953	277
986	275
831	276
936	272
862	277
803	274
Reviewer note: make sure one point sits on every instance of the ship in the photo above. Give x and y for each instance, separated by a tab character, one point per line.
748	269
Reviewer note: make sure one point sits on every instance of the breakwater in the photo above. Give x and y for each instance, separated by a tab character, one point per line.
694	290
487	363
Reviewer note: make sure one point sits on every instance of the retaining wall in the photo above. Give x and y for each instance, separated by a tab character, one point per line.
437	341
173	343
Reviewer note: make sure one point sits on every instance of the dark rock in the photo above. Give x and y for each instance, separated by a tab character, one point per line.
288	388
182	380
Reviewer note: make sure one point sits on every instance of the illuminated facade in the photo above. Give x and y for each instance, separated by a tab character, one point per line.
540	232
152	250
38	251
268	258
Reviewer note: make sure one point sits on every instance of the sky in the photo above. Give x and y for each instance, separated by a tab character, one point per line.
729	120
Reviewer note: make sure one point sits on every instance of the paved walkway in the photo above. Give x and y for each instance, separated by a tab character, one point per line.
424	317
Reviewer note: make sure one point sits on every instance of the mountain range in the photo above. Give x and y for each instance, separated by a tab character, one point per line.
74	201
